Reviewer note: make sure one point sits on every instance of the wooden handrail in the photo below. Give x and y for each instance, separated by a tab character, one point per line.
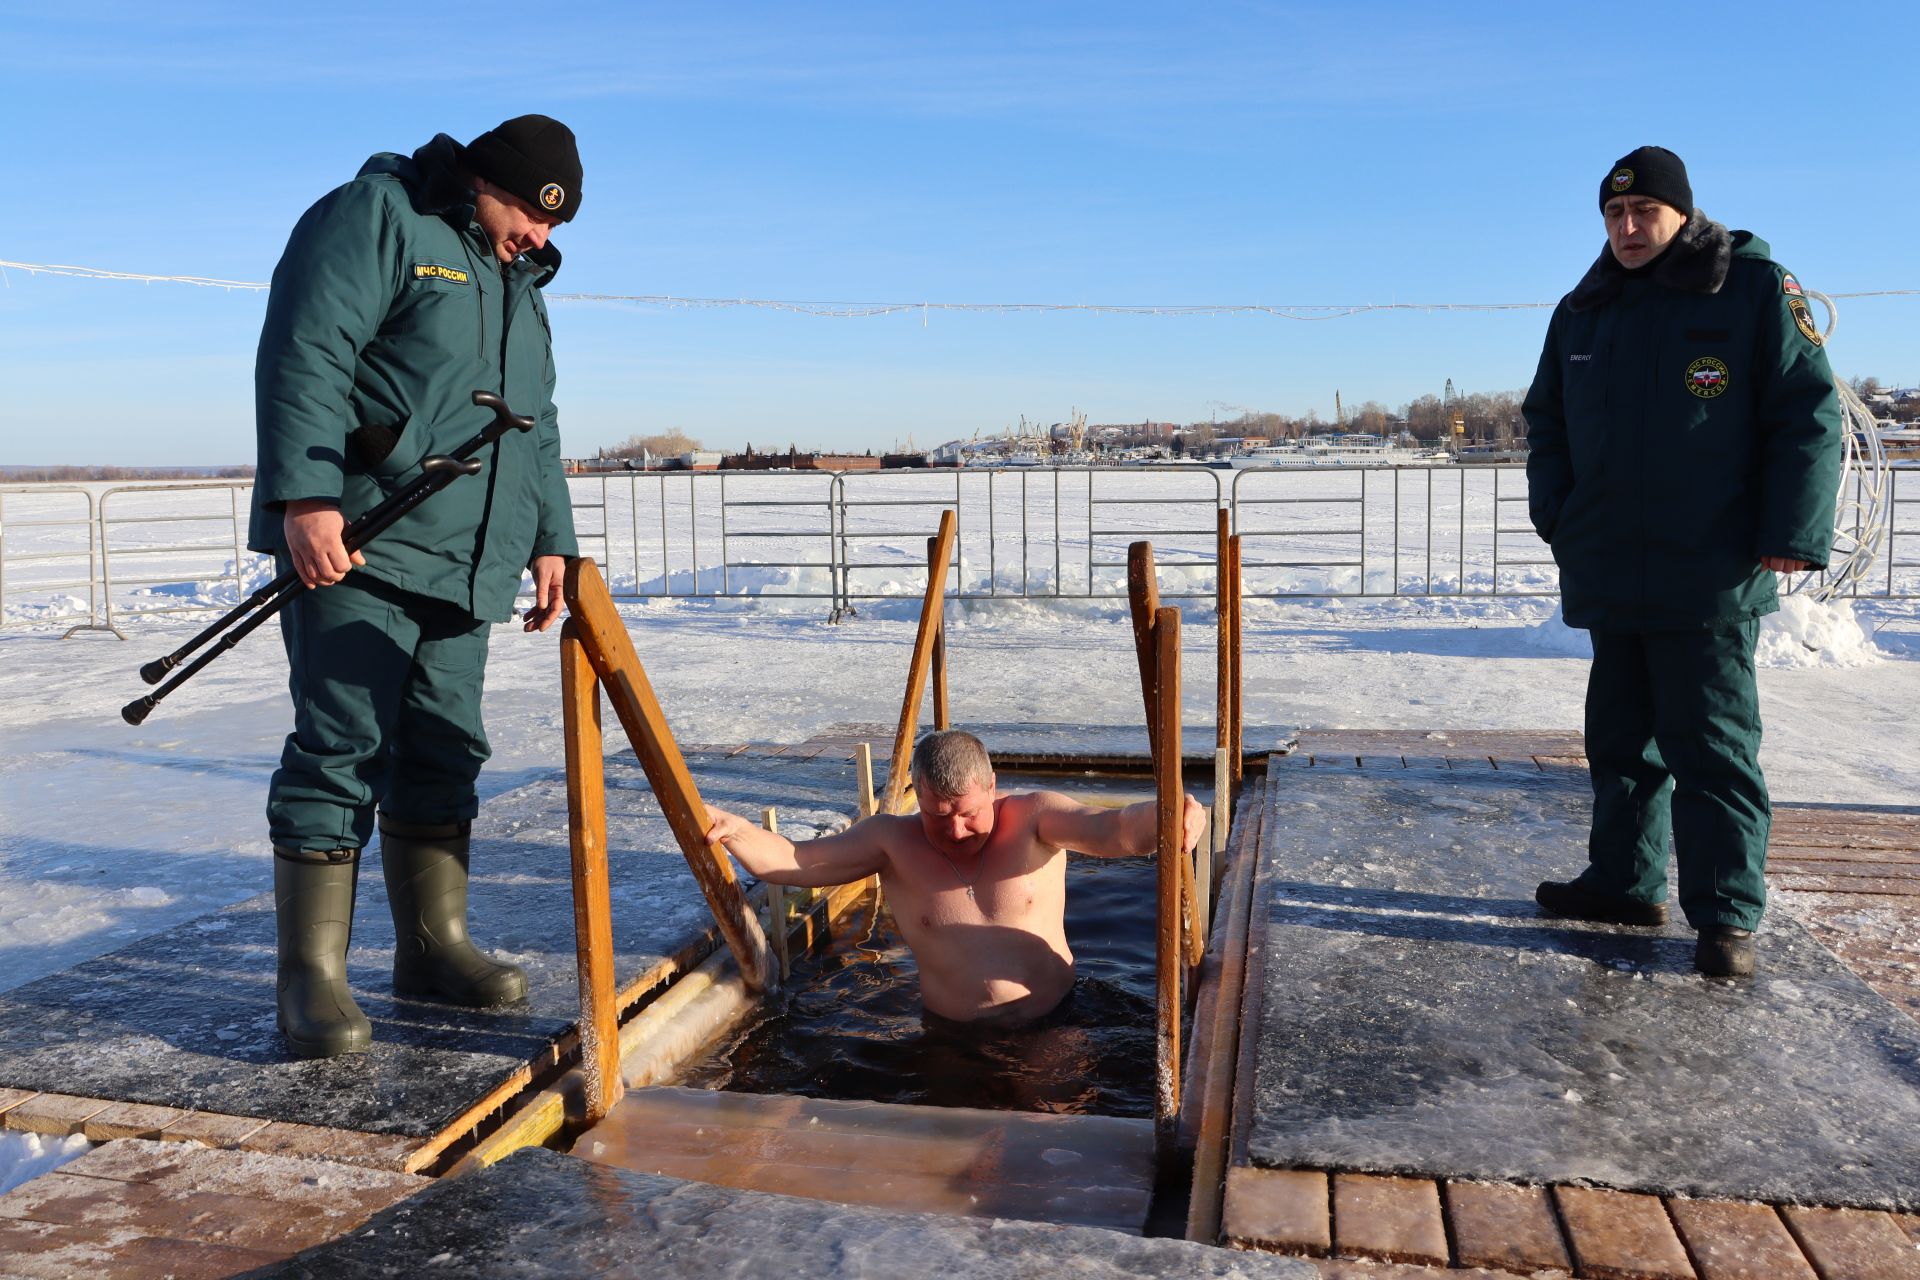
1223	612
1170	796
777	903
603	638
1237	743
1179	929
592	907
1208	1106
941	719
1143	601
931	627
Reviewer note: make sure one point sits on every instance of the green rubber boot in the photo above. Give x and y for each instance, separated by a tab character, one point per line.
313	909
433	958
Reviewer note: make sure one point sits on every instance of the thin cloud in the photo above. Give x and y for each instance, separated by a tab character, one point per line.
979	66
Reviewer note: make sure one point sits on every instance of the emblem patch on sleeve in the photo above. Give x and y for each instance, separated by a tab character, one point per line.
1790	286
434	271
1707	377
1803	320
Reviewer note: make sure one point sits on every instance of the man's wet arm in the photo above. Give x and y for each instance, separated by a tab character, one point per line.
1102	833
853	854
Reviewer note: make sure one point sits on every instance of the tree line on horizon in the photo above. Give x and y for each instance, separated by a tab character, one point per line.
75	474
1491	417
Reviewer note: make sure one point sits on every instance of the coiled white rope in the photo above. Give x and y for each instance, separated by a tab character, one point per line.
1861	505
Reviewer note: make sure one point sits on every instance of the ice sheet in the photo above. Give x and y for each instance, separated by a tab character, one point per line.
538	1213
185	1017
1419	1015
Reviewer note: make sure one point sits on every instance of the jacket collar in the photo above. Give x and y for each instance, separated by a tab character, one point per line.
439	185
1696	262
439	178
545	264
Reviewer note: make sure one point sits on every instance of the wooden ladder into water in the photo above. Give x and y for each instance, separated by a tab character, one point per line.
1075	1169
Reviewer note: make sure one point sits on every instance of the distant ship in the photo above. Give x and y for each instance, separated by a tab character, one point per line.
1345	449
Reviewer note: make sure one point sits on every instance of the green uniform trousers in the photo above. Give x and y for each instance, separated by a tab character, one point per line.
386	695
1673	742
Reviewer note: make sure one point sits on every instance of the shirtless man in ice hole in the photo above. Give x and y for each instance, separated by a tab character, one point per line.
978	881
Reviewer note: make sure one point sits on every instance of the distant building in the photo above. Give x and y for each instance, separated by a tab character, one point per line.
794	460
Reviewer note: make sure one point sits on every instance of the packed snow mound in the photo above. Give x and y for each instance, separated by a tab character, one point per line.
1809	633
1552	637
1804	633
25	1156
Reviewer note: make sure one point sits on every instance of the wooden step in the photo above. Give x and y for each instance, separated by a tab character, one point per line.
1087	1170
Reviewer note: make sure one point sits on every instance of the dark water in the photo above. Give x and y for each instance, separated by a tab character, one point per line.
849	1024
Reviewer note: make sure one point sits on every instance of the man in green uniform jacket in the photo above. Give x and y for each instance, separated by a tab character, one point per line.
1684	447
399	295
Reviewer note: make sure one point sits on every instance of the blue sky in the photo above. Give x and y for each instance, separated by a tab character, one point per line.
1082	153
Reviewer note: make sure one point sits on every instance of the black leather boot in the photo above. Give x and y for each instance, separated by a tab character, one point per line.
1724	951
433	958
1568	899
313	909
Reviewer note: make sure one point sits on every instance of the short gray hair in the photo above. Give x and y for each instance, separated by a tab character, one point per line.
950	763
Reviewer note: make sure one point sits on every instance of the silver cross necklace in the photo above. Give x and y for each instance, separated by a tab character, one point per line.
964	882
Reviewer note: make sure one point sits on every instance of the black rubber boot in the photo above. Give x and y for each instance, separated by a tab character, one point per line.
313	908
1569	900
1724	951
433	958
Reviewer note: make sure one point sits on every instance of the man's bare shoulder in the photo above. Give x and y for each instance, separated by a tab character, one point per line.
891	831
1023	808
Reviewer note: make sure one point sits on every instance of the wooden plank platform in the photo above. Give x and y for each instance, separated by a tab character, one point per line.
1439	1229
136	1208
59	1115
1455	748
1851	874
1017	746
1083	1170
1832	865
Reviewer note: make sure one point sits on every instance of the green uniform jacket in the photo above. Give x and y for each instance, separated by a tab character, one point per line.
387	312
1682	424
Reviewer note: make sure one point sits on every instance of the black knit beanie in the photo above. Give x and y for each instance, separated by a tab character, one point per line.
1654	172
535	158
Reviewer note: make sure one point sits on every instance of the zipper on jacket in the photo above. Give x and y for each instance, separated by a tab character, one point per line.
480	294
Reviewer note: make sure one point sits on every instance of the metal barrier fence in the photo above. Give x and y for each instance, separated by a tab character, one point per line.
1388	531
39	530
851	537
175	548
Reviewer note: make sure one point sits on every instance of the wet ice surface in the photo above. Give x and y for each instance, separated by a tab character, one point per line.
185	1017
1419	1016
537	1213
